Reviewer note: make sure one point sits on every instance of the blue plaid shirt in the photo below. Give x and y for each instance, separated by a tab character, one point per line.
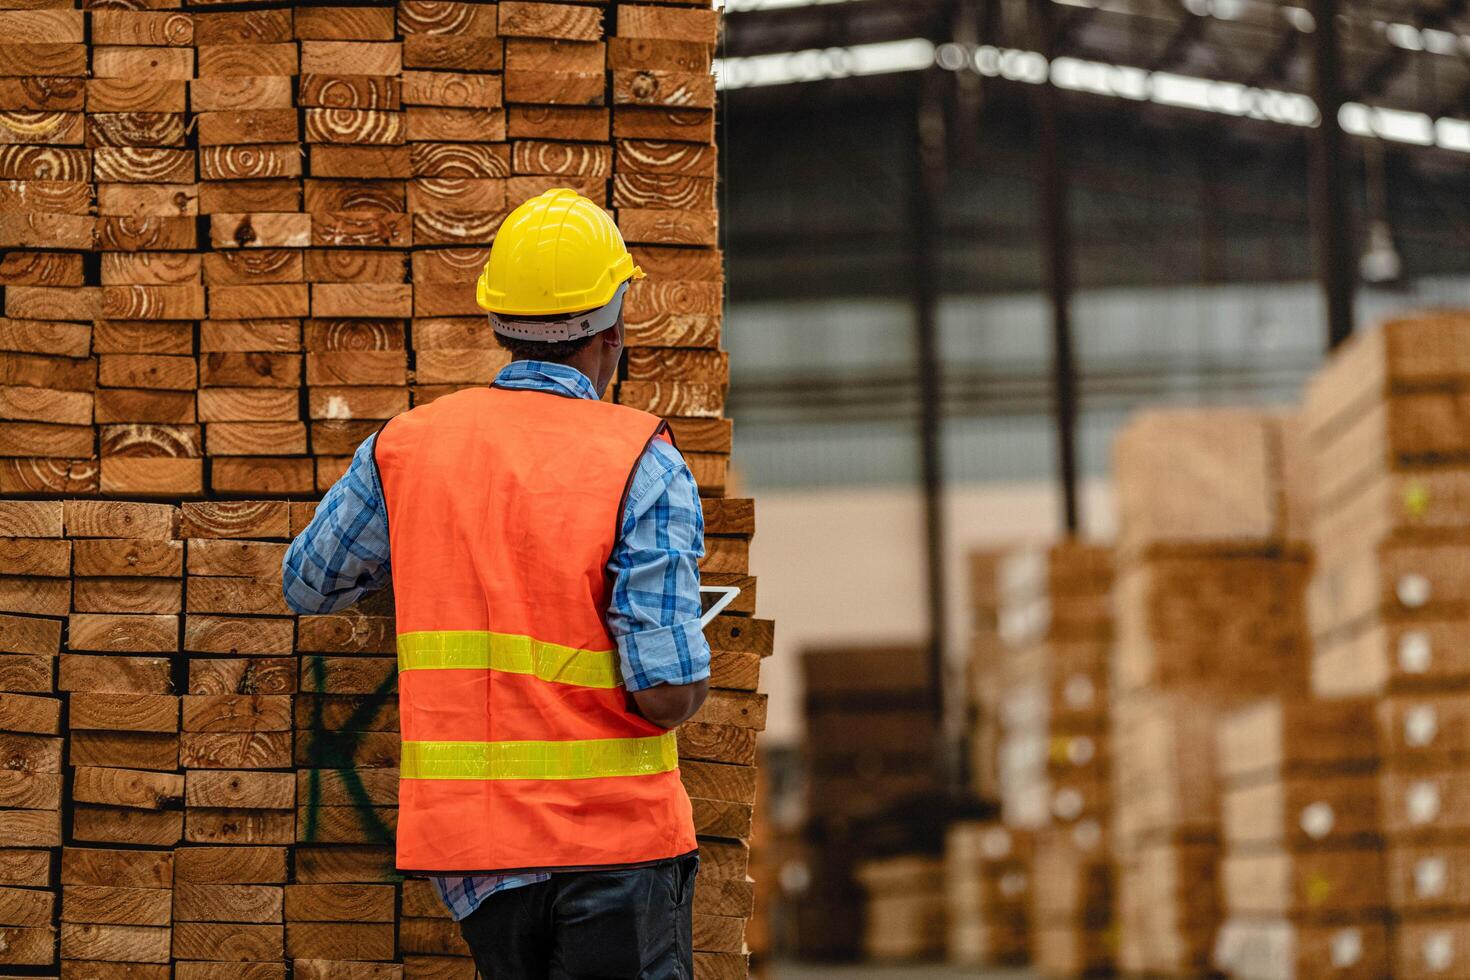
653	612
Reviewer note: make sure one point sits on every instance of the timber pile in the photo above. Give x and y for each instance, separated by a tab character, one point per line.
1302	876
1056	624
233	242
983	676
1211	577
987	884
904	917
870	743
1390	604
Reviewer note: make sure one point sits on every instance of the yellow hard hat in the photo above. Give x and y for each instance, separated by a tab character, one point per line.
556	253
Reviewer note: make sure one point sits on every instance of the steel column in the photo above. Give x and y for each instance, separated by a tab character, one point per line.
927	189
1332	226
1056	236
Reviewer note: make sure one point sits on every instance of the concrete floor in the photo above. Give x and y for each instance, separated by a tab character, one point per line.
935	971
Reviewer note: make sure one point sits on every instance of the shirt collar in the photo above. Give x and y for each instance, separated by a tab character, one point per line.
546	376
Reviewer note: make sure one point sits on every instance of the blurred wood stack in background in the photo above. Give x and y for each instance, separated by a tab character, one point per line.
984	676
1057	626
1211	574
872	735
233	242
987	883
905	911
1302	872
1390	605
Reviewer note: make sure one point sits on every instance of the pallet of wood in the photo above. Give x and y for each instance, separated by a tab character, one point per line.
905	909
1212	572
870	729
1390	597
1056	626
1303	871
1072	900
1392	462
984	680
987	887
48	209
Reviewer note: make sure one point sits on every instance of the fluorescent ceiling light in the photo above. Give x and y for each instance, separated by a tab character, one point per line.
749	6
1094	77
817	64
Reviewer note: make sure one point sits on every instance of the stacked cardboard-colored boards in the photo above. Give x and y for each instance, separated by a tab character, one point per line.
233	242
1302	873
1209	599
987	886
1390	604
984	676
904	916
870	745
1056	625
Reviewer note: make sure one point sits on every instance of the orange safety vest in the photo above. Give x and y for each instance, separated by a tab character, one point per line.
521	748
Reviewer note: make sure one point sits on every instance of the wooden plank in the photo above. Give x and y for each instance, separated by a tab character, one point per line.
238	635
551	20
227	942
329	23
128	788
340	903
231	865
668	23
29	714
228	902
119	519
26	635
121	633
125	750
254	675
236	713
124	712
236	750
240	789
136	675
117	905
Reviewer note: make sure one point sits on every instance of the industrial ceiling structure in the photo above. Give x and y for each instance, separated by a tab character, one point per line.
922	150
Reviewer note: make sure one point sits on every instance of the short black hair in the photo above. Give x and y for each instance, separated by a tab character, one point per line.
541	350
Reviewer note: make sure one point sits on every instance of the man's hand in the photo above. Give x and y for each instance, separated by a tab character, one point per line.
670	705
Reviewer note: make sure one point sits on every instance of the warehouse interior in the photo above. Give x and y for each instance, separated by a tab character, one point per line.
954	276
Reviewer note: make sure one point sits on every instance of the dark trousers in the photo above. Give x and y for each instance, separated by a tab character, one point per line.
633	923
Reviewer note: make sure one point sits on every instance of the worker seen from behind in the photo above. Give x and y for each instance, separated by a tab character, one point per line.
543	548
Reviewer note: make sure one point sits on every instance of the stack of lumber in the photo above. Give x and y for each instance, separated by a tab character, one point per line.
31	743
905	907
145	166
1390	602
984	679
870	746
250	170
1072	898
1210	606
870	729
1302	875
240	794
291	204
987	887
1056	624
47	214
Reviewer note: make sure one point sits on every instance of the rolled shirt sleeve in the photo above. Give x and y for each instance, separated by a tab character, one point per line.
343	553
654	611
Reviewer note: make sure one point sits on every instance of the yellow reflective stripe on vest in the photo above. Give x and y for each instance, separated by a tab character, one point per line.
587	759
479	650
